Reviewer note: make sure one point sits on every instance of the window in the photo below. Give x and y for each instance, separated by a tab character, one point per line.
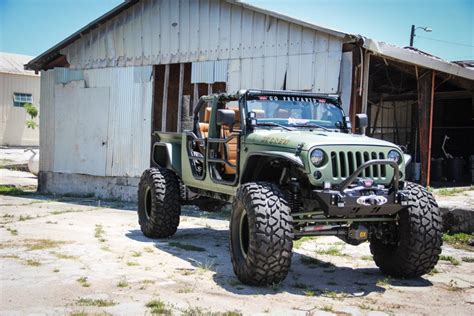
19	99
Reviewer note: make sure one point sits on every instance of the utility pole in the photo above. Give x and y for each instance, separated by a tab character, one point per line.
412	35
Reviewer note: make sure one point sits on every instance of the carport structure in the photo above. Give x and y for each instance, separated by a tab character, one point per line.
414	99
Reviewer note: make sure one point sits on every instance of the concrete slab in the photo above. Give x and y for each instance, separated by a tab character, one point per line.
65	255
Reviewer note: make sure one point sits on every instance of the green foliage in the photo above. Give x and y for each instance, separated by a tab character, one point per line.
454	261
33	113
10	190
459	240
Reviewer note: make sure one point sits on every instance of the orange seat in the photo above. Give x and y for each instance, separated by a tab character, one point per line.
204	125
232	144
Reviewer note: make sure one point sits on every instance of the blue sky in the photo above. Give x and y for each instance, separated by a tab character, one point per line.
32	26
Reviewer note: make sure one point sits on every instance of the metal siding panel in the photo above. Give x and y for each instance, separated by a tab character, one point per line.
147	32
282	37
257	73
270	37
333	71
224	31
233	77
220	70
258	35
295	39
269	73
246	73
47	121
235	31
184	28
321	42
174	30
214	25
292	77
155	30
202	72
247	30
194	30
80	131
307	45
320	61
203	29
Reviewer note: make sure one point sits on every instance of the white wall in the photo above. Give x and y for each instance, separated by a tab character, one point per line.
99	125
13	130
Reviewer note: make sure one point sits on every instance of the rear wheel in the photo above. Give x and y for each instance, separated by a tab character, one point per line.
261	234
418	245
158	203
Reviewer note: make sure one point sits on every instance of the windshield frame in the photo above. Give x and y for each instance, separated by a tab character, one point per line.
293	96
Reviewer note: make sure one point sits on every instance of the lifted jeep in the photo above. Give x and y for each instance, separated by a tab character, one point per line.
291	167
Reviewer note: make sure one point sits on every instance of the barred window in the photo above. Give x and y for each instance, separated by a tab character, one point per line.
19	99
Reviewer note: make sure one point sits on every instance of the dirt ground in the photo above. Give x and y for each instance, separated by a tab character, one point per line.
82	256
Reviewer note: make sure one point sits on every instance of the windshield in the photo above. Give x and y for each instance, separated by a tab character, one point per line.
296	111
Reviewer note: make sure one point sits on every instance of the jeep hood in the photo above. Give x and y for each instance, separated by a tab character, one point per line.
291	139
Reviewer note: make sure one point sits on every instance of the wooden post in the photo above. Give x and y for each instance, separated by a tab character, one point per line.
424	106
433	79
180	97
164	109
365	81
187	120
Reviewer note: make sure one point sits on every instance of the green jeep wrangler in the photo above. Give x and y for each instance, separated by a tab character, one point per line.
291	167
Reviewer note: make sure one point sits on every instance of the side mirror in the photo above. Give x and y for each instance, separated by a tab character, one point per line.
252	119
225	117
361	122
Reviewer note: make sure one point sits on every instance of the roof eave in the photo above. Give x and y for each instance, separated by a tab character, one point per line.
412	57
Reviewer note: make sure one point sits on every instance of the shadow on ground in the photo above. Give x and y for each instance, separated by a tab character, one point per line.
208	248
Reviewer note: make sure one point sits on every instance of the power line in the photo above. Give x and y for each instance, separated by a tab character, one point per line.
447	42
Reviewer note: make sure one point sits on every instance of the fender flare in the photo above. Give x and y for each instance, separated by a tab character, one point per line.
290	157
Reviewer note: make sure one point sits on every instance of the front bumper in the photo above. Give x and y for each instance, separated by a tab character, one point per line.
350	200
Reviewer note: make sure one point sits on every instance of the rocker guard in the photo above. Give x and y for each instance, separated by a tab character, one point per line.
363	201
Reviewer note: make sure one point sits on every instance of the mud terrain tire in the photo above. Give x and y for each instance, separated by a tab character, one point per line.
419	241
261	234
158	203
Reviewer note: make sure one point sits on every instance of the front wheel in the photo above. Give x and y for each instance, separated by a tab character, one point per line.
418	245
261	234
158	203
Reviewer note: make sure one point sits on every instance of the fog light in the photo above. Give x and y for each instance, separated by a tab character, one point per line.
317	174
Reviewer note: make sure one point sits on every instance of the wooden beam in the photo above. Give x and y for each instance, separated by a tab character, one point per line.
164	109
365	81
180	97
424	105
430	127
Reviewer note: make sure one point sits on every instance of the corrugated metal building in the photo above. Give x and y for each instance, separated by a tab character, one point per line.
17	86
105	88
108	86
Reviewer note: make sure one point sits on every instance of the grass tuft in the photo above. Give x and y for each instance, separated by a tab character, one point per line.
452	260
459	240
122	283
158	307
95	302
467	259
11	190
32	263
12	231
83	282
331	251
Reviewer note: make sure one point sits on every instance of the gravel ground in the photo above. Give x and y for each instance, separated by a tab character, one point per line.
70	255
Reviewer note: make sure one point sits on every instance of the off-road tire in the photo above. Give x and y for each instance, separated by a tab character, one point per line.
158	203
266	232
419	238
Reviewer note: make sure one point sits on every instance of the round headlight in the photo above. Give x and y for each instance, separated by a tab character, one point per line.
317	157
394	155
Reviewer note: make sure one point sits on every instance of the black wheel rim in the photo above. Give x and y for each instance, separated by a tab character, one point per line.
148	203
244	233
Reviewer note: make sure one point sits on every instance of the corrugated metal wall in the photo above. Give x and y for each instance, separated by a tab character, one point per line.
13	130
118	101
260	48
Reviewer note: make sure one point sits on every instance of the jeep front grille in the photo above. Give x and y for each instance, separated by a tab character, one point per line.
345	163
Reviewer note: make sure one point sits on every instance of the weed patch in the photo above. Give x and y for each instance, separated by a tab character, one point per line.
12	231
158	308
92	302
452	260
83	282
